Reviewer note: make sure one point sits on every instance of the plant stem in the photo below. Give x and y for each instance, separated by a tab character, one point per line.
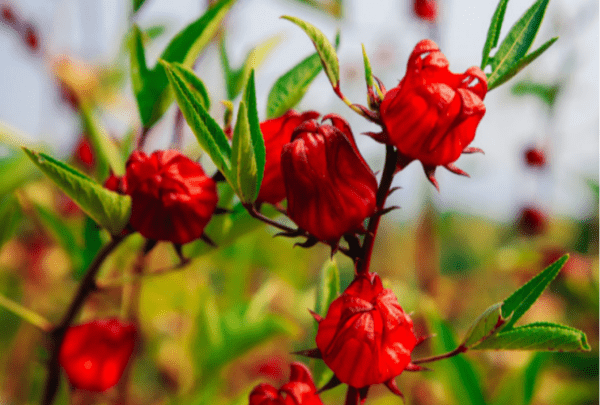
354	107
142	139
391	157
27	314
253	211
458	350
57	335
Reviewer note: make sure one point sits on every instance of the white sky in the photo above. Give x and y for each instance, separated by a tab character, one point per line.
499	183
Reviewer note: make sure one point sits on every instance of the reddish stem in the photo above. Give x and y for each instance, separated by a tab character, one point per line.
352	396
458	350
391	156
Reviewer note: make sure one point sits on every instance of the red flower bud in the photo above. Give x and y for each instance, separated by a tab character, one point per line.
366	338
95	354
300	390
433	113
276	133
31	39
535	158
171	197
531	221
8	14
330	188
425	9
84	153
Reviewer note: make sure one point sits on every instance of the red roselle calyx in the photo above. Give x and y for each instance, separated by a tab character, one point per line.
172	199
300	390
535	157
276	133
330	188
95	354
425	9
531	221
432	115
366	338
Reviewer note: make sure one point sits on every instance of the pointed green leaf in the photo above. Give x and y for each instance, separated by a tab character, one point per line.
522	299
493	32
258	142
243	164
194	83
324	48
328	288
137	4
485	326
289	89
207	130
153	32
544	92
107	153
109	209
518	40
530	376
368	70
495	80
59	230
151	86
539	336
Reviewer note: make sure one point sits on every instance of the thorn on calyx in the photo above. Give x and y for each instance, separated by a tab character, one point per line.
392	386
473	150
317	317
456	170
416	367
334	382
207	240
312	353
309	242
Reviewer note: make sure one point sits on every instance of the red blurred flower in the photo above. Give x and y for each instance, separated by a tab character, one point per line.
171	197
8	14
433	113
84	153
425	9
535	157
366	338
531	221
330	189
31	39
300	390
276	133
95	354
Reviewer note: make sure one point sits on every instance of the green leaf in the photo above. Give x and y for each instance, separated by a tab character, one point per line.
329	287
521	300
368	70
539	336
107	153
243	163
258	142
153	32
109	209
485	326
324	48
208	132
495	80
151	86
92	243
518	40
194	83
289	89
530	376
544	92
235	78
493	32
463	380
60	231
10	215
137	4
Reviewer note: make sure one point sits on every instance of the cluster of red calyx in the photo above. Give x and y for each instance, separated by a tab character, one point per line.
432	115
172	199
425	9
535	157
95	354
330	188
300	390
84	153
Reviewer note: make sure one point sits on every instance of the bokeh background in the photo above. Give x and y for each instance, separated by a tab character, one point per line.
230	320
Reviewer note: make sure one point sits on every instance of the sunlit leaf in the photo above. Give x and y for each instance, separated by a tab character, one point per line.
243	163
109	209
493	32
258	142
324	48
328	288
486	325
539	336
